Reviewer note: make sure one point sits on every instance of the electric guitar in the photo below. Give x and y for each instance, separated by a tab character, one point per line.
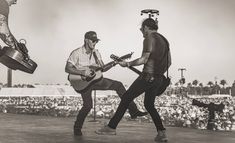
17	59
81	83
158	91
116	58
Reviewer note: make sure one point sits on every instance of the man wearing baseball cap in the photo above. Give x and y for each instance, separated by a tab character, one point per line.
79	63
92	36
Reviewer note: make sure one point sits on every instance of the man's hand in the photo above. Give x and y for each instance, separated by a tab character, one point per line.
115	63
124	64
89	73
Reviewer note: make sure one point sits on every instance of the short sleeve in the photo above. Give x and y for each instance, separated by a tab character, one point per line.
73	58
148	44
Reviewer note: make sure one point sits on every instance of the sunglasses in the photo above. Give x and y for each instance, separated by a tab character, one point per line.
94	41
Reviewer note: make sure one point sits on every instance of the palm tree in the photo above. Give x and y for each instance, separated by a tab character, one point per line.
195	82
189	88
177	84
223	82
201	87
201	84
210	83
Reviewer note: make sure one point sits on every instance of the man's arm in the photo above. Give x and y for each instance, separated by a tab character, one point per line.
142	60
71	69
147	49
5	33
105	67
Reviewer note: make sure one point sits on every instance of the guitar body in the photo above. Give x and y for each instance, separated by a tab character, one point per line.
80	83
15	60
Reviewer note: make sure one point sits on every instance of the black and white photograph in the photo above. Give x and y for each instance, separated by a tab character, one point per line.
120	71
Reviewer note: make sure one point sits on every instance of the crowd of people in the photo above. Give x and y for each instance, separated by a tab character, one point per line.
176	110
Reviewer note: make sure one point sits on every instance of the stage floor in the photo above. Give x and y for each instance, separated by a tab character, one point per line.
15	128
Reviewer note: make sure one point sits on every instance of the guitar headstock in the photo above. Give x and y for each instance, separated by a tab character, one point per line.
116	58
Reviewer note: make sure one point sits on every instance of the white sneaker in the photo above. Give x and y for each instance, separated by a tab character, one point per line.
106	130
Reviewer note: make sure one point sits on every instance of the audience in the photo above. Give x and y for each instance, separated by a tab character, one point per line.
176	110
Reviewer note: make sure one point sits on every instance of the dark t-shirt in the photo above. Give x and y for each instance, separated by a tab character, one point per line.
4	8
158	48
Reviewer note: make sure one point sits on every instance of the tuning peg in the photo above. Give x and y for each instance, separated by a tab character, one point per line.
23	41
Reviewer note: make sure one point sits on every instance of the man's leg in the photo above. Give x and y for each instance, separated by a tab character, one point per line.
87	105
149	105
120	89
138	87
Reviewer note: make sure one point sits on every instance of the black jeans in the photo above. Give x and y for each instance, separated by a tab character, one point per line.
103	84
139	86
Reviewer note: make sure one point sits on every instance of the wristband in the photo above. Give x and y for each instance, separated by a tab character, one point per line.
128	64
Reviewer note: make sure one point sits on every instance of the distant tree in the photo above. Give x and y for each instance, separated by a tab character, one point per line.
201	84
210	83
207	90
223	82
182	81
177	84
195	82
201	88
216	88
233	84
189	84
189	88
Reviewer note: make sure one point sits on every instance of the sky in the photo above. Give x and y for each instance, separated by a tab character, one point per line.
200	32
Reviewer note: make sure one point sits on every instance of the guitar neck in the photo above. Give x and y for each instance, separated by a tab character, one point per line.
109	64
135	70
106	66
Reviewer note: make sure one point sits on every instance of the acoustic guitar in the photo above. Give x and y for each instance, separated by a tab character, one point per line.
17	59
81	83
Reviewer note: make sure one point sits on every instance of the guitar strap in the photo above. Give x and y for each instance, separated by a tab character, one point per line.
96	58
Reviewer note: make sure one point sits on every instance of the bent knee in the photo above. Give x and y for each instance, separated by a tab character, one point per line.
118	83
87	108
149	106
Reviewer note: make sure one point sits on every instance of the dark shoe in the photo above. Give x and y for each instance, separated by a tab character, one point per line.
77	131
138	114
161	136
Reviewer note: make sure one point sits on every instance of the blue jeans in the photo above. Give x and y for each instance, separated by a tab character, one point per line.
139	86
103	84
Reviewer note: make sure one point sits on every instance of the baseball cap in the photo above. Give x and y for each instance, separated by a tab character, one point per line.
91	35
